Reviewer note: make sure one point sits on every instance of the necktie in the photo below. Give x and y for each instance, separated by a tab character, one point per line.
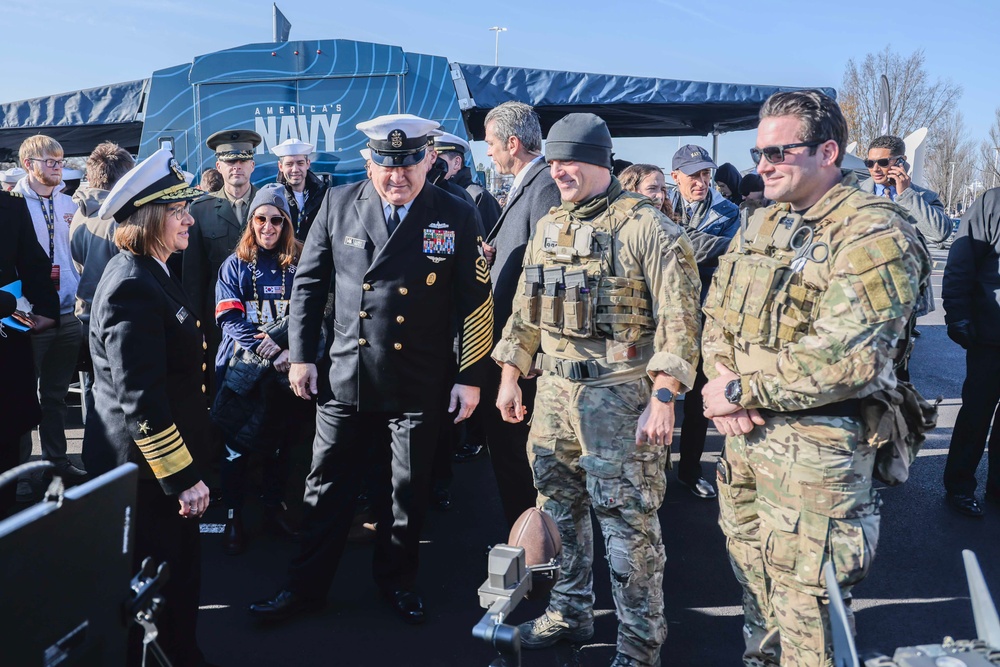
887	193
393	221
238	209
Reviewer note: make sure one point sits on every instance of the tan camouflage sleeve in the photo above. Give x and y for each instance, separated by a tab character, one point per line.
520	339
874	282
716	344
672	277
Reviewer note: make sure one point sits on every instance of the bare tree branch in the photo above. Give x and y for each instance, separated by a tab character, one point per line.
914	101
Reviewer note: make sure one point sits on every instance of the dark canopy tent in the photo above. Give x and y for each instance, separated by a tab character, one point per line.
631	106
78	121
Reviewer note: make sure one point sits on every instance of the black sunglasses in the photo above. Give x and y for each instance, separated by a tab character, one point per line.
776	154
882	162
275	220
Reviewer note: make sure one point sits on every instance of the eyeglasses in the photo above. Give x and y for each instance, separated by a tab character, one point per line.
179	213
49	162
275	220
882	162
776	154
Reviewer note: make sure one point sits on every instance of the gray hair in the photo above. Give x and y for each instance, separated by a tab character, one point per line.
516	119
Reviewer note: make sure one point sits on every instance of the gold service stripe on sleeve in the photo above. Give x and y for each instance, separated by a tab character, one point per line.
165	452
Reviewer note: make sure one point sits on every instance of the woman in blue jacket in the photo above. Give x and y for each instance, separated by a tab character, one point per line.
252	296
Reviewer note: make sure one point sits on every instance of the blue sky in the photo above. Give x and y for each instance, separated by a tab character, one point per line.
64	45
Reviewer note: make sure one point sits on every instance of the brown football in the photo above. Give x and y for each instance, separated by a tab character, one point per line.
537	534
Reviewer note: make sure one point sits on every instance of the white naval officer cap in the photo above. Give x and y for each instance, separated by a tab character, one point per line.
366	153
398	140
157	179
12	175
293	147
449	142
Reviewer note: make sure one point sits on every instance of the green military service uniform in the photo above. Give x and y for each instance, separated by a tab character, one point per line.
808	338
610	296
220	221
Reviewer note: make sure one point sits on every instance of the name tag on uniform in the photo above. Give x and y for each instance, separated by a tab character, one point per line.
439	242
354	243
182	314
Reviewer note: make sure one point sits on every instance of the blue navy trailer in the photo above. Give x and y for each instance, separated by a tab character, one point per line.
316	91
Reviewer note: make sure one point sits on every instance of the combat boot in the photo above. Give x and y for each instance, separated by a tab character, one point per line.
546	631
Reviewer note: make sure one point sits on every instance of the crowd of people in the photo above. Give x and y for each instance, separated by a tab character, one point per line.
408	320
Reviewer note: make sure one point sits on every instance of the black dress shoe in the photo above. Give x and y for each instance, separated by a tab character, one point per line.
441	500
283	606
407	604
278	521
70	471
234	540
700	488
965	504
467	452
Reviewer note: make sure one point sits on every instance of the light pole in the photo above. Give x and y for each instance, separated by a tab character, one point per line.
951	182
497	29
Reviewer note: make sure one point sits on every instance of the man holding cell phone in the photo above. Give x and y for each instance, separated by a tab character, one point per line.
890	178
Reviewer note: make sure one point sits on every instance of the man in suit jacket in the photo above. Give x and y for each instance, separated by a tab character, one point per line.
220	218
404	261
889	179
514	140
887	165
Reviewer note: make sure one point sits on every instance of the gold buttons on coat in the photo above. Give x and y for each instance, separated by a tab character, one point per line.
203	389
398	346
362	342
404	291
363	314
204	345
366	286
400	319
197	323
204	366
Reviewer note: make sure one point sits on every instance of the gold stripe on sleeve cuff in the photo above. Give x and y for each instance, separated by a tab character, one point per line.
165	452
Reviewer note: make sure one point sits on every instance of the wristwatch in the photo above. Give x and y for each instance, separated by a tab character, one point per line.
664	395
734	391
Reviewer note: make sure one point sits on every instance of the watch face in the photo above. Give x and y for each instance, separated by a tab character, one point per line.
664	395
734	391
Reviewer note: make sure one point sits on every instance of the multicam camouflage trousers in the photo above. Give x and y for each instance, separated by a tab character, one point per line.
583	453
793	495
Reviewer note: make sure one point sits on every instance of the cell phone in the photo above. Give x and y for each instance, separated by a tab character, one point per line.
899	162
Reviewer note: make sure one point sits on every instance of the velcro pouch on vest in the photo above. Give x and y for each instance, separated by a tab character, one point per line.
533	284
879	279
552	299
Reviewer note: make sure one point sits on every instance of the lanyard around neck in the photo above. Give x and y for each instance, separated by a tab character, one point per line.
50	221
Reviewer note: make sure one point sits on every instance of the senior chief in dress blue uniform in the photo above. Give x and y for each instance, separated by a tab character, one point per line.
405	261
147	344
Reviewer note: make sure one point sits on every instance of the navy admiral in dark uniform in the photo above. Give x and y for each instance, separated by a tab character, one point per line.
403	259
304	189
147	345
220	219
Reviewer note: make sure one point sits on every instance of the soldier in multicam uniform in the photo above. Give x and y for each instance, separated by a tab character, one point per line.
610	294
801	322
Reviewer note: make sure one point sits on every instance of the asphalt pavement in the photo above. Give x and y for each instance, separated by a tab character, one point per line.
916	592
